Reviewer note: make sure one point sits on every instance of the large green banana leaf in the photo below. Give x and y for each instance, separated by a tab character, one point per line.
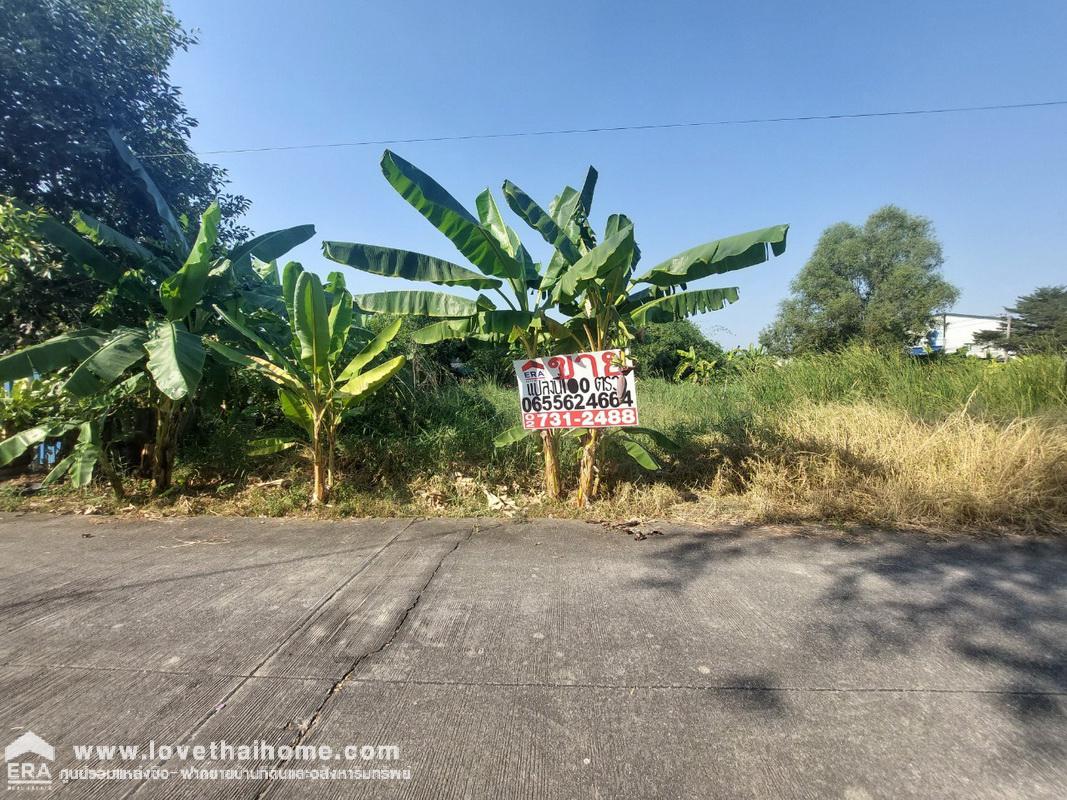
60	351
416	303
171	228
267	297
311	321
296	410
290	272
639	454
58	471
81	252
540	220
182	291
489	214
615	223
511	436
446	214
229	354
272	352
340	322
495	323
270	246
267	271
557	330
175	359
14	446
121	351
609	260
284	376
82	460
368	382
101	234
502	321
462	328
405	264
490	217
370	352
722	255
588	187
661	439
673	307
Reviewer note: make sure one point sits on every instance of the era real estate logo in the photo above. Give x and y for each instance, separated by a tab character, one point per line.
25	762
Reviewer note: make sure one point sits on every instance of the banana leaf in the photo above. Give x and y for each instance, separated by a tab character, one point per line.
540	220
672	307
416	303
171	228
60	351
181	292
372	350
311	322
511	436
446	214
405	264
368	382
175	359
639	454
722	255
121	351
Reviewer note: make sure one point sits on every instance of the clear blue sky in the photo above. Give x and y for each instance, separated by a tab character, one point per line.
269	72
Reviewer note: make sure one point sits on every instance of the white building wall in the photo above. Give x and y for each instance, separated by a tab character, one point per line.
957	332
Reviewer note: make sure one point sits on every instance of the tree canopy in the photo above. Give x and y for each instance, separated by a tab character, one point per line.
880	283
1039	323
655	351
72	69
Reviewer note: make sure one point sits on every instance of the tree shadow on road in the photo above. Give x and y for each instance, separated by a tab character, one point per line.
999	605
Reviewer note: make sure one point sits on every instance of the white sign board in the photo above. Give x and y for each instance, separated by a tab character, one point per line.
581	390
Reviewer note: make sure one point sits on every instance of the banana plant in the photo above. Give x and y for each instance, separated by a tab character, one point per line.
586	296
172	284
595	285
502	264
304	360
89	450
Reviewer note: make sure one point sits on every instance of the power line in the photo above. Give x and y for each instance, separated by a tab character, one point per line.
616	129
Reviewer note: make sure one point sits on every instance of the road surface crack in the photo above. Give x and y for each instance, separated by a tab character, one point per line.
316	716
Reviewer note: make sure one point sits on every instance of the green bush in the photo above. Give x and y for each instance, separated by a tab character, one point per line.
656	349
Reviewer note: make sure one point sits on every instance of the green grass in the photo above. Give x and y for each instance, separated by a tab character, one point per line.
856	436
928	390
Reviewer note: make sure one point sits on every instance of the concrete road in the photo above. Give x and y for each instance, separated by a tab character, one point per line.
529	660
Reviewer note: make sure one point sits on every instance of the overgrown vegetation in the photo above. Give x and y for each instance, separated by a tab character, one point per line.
858	437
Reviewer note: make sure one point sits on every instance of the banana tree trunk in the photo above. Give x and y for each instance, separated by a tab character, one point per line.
319	464
550	445
109	472
588	476
168	421
331	452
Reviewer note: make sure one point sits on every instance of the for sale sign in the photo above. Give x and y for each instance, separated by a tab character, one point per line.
582	390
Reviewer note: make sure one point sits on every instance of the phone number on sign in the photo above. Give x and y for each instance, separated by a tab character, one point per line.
580	419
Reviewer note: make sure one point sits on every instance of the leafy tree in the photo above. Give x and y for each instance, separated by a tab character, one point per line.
655	350
174	285
586	297
72	70
1039	323
880	284
315	391
32	277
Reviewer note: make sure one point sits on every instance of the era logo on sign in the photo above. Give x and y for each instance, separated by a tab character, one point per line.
23	773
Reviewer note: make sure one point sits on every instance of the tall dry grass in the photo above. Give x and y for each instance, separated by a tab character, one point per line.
873	463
